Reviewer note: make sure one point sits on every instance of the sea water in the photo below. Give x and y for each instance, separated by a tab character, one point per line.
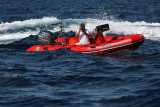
63	78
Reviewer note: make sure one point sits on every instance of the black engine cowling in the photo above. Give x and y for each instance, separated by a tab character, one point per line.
45	38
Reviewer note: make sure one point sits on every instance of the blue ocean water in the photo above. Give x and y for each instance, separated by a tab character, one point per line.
63	78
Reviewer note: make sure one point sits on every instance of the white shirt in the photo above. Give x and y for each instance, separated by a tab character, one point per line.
83	39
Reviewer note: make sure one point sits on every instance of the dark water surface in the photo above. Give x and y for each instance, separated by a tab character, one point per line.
62	78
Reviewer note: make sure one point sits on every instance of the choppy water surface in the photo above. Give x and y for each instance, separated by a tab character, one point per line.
64	78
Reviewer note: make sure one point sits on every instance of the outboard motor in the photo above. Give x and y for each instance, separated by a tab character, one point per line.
45	38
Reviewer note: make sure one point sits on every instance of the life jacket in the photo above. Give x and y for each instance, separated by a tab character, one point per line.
99	38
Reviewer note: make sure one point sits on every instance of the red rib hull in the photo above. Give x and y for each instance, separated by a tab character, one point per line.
112	44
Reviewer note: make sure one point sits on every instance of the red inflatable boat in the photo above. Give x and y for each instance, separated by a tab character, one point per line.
105	44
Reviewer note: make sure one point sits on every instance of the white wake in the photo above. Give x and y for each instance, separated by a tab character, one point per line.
33	26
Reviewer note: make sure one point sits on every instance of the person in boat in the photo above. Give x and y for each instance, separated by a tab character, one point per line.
83	35
99	36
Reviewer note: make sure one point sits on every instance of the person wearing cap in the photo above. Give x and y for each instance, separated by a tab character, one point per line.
83	35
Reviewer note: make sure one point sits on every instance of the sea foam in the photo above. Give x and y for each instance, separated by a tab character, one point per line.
33	26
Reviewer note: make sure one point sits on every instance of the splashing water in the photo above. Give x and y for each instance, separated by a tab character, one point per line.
10	32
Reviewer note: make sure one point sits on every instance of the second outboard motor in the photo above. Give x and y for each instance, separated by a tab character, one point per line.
45	38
